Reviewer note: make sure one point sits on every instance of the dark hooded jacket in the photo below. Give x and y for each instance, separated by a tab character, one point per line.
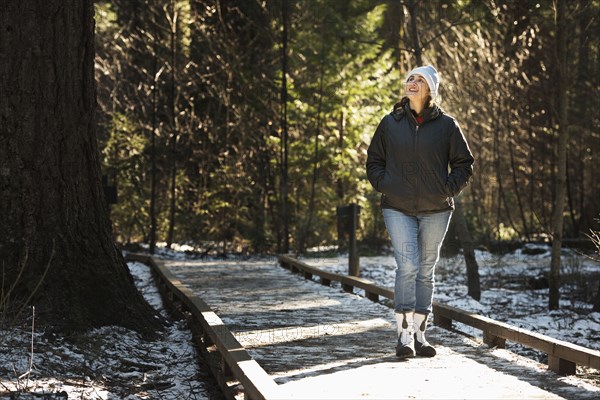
419	168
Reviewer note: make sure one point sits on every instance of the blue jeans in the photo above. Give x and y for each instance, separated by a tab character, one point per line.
416	241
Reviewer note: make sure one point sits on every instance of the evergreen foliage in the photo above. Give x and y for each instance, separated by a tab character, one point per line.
203	78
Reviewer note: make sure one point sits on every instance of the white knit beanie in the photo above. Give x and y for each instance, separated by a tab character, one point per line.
431	76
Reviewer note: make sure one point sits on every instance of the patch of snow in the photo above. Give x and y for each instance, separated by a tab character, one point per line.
107	363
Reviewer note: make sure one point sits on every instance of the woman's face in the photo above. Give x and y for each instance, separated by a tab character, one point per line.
416	87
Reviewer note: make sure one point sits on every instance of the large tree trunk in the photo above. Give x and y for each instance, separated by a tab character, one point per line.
56	245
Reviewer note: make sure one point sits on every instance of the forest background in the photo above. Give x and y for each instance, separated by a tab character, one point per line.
245	123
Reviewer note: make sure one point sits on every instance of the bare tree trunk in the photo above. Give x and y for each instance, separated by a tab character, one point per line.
585	69
499	173
532	180
466	241
340	188
153	223
285	246
311	203
56	244
516	186
496	160
563	140
414	31
572	212
174	127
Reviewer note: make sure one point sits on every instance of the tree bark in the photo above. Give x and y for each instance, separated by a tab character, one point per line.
414	31
56	246
513	168
563	140
302	243
174	127
584	114
153	170
285	246
340	189
466	241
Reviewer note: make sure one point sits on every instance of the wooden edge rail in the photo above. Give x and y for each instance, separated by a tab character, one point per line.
212	336
563	357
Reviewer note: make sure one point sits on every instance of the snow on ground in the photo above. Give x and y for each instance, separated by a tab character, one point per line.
106	363
507	292
114	363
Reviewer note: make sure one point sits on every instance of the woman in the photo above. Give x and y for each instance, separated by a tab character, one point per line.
418	159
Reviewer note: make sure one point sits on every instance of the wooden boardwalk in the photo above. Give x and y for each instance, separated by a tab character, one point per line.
320	342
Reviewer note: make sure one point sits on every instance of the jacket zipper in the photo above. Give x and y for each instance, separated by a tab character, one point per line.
417	186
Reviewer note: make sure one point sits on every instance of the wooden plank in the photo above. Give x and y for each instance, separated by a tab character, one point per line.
561	366
255	380
368	286
493	341
551	346
442	321
559	353
300	266
257	383
346	281
372	296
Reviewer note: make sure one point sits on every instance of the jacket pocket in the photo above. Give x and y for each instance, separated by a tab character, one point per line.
441	183
384	183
